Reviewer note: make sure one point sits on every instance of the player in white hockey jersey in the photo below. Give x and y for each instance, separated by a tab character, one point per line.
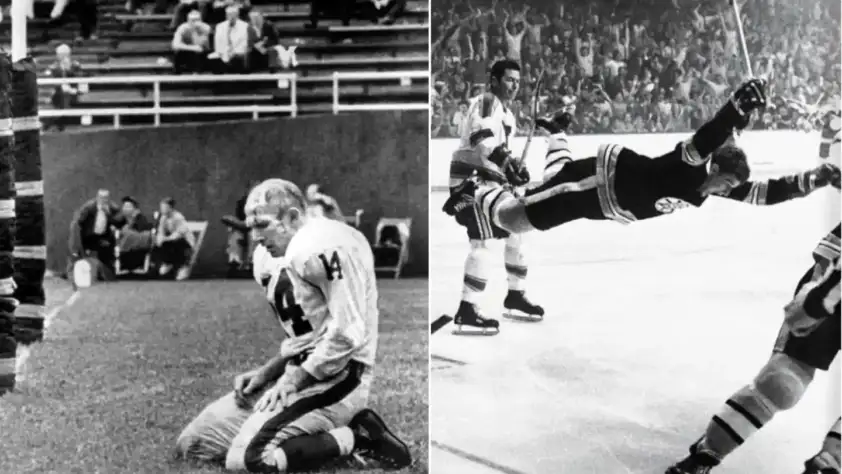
482	150
307	404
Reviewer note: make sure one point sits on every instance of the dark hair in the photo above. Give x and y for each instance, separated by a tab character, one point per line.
131	200
169	201
500	67
732	159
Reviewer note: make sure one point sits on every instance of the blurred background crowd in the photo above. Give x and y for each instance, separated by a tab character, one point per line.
645	66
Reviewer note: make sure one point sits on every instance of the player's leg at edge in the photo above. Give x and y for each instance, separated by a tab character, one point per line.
778	387
827	461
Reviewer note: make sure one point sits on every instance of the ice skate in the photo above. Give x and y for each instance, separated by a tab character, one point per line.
477	325
698	462
556	123
518	307
376	442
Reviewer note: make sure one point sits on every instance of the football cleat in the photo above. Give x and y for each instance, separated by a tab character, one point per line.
374	440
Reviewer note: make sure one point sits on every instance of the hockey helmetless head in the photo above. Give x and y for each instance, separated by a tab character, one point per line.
505	79
728	169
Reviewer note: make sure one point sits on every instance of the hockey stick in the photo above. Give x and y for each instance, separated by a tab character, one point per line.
538	85
439	323
736	8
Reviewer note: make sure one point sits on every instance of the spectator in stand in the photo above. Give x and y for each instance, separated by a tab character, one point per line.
648	65
231	44
65	96
174	242
191	44
264	37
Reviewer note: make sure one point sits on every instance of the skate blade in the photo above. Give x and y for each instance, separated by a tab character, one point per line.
459	331
522	317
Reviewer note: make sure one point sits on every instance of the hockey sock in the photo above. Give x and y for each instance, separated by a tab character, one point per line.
476	272
828	458
516	268
742	415
558	153
311	451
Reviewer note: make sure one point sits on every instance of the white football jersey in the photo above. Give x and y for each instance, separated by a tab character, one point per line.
487	125
324	294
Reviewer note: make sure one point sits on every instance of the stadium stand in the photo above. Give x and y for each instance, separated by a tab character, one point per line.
128	73
647	66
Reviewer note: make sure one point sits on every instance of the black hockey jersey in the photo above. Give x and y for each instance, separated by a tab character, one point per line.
646	187
822	301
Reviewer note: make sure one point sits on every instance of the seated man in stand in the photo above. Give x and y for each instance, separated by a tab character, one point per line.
191	44
91	230
174	242
231	44
135	239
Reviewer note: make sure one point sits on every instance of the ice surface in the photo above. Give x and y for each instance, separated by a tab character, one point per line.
649	329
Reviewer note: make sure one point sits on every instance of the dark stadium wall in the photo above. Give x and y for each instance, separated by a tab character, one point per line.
375	161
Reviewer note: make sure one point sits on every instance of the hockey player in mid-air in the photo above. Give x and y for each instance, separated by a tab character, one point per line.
622	185
307	405
486	129
808	341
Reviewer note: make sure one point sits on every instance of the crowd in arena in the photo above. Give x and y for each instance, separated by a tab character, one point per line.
649	66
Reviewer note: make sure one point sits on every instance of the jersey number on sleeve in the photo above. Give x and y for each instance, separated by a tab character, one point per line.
333	269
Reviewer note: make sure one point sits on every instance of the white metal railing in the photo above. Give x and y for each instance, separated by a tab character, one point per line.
284	81
405	78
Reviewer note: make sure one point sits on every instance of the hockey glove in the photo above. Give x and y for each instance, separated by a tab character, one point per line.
500	156
517	175
557	123
827	174
750	96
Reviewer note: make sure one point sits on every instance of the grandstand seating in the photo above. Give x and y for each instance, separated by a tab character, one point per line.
134	45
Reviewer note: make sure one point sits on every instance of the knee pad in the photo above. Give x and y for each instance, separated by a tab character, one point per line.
782	382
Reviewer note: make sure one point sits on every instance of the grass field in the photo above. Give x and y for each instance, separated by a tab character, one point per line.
127	366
